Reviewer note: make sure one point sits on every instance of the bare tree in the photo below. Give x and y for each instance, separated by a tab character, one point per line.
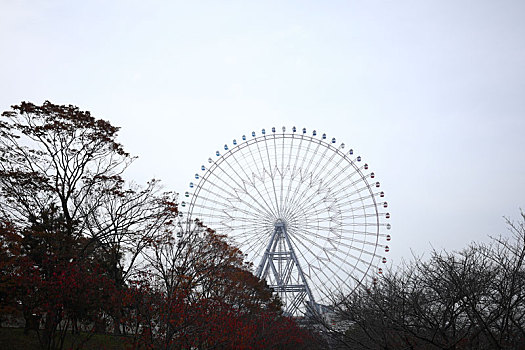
472	299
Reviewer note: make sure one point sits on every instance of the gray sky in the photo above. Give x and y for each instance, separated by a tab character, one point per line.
430	93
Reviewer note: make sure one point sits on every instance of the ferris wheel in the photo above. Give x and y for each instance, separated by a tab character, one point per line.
306	211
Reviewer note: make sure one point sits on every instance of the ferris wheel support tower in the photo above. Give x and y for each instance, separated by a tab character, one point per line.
279	258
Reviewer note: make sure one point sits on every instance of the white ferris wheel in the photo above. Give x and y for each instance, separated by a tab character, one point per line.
306	211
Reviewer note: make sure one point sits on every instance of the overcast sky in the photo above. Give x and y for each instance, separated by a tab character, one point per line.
430	93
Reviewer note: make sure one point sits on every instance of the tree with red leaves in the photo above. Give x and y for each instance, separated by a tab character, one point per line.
62	193
44	280
10	251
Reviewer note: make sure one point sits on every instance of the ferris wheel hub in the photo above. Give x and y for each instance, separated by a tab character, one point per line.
280	223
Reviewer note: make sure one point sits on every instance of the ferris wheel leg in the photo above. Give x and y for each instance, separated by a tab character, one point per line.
279	265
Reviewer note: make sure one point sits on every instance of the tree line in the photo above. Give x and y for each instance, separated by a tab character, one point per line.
470	299
83	251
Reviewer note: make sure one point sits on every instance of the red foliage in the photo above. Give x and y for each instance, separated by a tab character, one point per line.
161	322
217	302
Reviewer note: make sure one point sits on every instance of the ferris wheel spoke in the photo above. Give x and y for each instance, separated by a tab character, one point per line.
303	175
303	172
307	238
316	242
334	153
272	169
359	233
289	208
326	234
362	207
327	274
350	201
253	248
307	203
311	160
323	266
319	170
360	216
220	197
213	189
225	217
267	171
225	204
327	259
248	177
262	173
288	167
360	179
330	202
253	237
358	191
283	170
257	245
226	193
338	176
362	250
294	169
241	189
224	220
249	226
351	279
